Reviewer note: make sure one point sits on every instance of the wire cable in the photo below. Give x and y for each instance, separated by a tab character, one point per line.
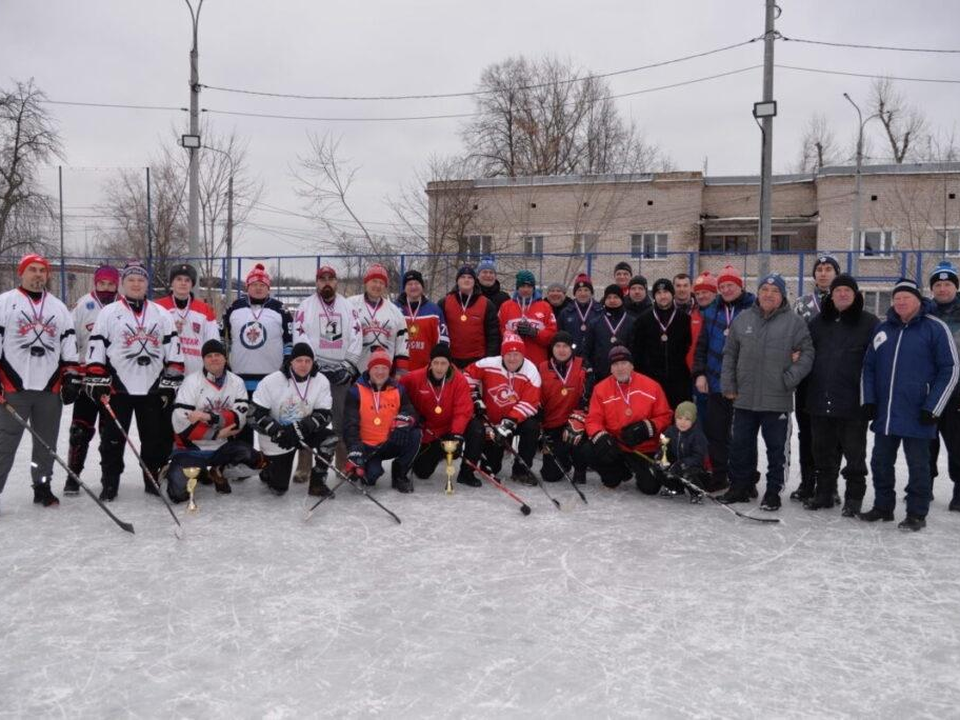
952	81
857	46
115	105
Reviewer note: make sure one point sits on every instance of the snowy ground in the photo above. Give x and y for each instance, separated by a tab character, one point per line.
629	606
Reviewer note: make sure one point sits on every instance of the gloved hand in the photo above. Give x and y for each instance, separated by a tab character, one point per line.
928	418
575	430
869	411
350	372
604	443
503	433
308	425
71	385
402	421
636	433
167	386
525	329
270	427
288	438
97	385
479	408
354	465
457	439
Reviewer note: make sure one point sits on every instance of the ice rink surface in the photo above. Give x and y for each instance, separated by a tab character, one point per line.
630	606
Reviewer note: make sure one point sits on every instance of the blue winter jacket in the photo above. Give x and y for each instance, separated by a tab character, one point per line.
907	369
708	356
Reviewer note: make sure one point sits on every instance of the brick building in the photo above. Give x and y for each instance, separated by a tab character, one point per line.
684	221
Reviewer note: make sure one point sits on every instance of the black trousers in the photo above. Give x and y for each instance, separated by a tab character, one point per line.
831	439
83	426
718	429
477	444
619	466
153	425
557	454
428	457
804	438
949	429
280	467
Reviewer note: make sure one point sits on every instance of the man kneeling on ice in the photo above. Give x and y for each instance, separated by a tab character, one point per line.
291	407
210	410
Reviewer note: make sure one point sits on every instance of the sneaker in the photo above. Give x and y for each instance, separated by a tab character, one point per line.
71	487
110	488
220	483
43	495
771	501
402	484
912	523
875	514
735	495
469	479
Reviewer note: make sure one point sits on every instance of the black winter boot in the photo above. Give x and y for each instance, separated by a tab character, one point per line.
110	487
736	495
318	483
402	484
851	507
912	523
804	491
71	486
522	476
771	500
955	501
466	477
220	483
580	477
875	514
43	495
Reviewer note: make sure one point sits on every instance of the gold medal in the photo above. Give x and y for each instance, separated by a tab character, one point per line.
377	421
438	409
463	318
563	391
414	329
628	412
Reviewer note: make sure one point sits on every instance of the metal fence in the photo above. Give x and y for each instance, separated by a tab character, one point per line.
293	275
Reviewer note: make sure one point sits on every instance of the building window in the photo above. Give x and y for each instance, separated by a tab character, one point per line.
948	240
533	244
726	244
876	301
648	245
780	242
876	242
585	242
479	245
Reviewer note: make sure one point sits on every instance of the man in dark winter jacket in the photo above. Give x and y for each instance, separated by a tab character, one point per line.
767	354
909	374
489	286
825	269
611	327
472	322
841	333
708	359
944	281
661	339
622	272
576	317
558	298
637	299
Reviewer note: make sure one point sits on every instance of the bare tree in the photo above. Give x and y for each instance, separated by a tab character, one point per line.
28	139
547	117
818	146
903	125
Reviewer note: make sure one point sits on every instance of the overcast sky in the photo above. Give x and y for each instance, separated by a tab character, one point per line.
136	51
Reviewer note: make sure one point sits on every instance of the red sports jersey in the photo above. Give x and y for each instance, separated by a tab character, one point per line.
613	406
514	395
452	397
561	397
539	314
696	324
425	328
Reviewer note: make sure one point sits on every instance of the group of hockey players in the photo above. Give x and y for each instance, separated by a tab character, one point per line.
668	385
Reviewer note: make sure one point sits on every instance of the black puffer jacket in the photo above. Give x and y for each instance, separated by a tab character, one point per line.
840	342
665	362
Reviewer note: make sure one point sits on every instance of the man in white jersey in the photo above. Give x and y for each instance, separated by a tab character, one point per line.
38	354
382	322
134	360
83	424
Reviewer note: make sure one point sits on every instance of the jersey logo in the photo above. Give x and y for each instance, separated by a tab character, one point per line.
145	340
253	335
503	396
879	339
90	305
37	328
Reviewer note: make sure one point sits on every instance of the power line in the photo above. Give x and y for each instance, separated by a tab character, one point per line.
952	81
475	93
868	47
114	105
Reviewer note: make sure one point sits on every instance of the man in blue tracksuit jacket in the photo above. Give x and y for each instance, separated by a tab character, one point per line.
944	283
909	374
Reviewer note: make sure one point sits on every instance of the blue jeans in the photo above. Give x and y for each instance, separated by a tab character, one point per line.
919	483
742	464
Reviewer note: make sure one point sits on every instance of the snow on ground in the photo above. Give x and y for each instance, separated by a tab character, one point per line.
628	606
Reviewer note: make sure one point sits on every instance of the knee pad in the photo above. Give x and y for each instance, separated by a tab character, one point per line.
80	433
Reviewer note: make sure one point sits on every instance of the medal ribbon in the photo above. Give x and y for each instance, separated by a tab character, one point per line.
583	316
37	316
625	398
142	320
614	330
437	396
663	327
563	378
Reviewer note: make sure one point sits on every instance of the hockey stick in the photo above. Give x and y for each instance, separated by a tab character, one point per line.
105	401
523	464
336	487
693	488
36	437
548	443
346	478
524	508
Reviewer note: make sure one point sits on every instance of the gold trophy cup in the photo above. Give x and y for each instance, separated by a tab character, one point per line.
449	447
664	441
191	473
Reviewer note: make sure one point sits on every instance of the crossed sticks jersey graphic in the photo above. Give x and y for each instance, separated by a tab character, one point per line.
36	339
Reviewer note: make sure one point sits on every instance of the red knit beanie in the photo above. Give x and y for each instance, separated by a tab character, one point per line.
29	260
376	271
258	274
730	274
379	357
705	281
511	342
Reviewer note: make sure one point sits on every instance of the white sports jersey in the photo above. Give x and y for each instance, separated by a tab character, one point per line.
195	324
134	348
289	401
257	337
227	401
333	331
85	314
383	326
36	338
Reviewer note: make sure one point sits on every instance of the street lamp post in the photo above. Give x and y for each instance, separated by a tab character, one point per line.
857	183
228	278
194	194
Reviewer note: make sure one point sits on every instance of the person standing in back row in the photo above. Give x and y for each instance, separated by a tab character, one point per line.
472	322
944	281
661	340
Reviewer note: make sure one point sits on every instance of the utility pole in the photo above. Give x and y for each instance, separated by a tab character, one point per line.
63	266
194	191
149	239
855	240
765	112
229	278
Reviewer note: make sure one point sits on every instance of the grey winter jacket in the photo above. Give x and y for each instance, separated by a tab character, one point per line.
757	363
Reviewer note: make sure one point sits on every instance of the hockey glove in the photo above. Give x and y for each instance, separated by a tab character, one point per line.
354	465
287	438
97	386
269	427
71	386
167	386
604	444
503	433
928	418
636	433
527	330
575	430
